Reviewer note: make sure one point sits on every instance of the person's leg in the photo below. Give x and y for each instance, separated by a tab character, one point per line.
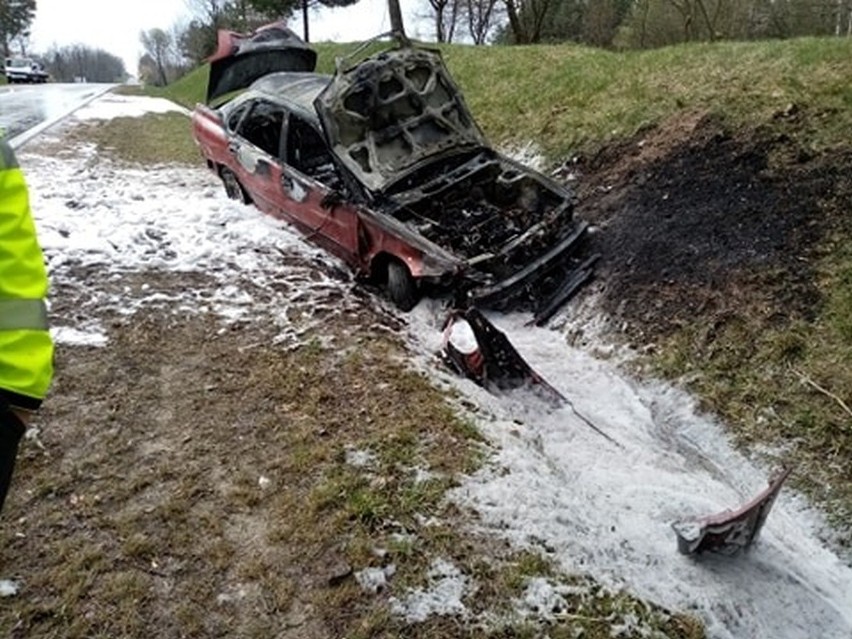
11	431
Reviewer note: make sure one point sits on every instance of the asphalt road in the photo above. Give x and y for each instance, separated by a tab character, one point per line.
26	110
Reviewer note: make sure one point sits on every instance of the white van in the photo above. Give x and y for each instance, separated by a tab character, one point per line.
25	70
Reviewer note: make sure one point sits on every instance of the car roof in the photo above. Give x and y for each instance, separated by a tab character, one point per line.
294	89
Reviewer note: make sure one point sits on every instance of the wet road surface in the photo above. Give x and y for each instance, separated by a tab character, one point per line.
23	107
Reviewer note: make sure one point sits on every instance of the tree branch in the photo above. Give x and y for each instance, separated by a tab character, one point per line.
810	382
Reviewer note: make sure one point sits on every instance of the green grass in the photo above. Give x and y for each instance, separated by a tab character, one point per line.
241	411
566	97
775	383
164	138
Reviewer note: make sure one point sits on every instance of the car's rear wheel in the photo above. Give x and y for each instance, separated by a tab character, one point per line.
233	187
401	287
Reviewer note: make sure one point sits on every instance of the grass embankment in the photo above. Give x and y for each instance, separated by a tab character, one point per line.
783	382
566	98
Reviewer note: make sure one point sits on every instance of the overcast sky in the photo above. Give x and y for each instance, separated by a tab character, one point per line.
114	25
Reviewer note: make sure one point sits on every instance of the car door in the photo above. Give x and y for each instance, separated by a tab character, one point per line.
255	148
308	180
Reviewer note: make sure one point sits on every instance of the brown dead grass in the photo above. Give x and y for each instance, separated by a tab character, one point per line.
141	510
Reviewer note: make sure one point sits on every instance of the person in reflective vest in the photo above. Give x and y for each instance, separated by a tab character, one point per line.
26	349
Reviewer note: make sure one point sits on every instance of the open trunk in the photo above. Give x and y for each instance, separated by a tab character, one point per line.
240	59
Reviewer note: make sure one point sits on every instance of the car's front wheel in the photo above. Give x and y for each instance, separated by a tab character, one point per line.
233	187
401	286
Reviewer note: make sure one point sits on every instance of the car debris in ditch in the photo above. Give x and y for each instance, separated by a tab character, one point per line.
474	348
730	531
383	165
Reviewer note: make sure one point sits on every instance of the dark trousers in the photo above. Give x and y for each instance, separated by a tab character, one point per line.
11	431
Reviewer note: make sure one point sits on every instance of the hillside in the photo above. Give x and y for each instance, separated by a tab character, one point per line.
566	97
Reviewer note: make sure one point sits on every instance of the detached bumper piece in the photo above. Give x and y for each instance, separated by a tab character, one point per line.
729	532
578	276
475	348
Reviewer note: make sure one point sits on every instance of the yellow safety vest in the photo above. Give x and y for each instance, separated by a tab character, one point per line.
26	350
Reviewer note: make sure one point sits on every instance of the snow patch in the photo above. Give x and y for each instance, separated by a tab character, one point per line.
543	599
76	337
113	105
443	596
9	588
95	217
422	475
373	580
360	458
236	592
528	154
606	509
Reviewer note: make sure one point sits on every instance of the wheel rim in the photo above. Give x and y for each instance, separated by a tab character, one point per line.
232	186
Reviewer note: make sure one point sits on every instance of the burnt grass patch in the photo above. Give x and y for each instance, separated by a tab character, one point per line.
690	226
726	260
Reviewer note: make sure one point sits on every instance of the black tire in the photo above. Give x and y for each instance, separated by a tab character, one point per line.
401	286
232	185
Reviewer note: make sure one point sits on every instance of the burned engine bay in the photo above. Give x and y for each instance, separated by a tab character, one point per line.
513	226
478	209
400	125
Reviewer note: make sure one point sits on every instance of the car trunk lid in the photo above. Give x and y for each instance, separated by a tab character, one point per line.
240	59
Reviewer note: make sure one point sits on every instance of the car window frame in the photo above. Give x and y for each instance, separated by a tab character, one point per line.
242	109
285	156
254	103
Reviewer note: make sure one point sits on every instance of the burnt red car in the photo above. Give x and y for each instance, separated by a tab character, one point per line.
384	166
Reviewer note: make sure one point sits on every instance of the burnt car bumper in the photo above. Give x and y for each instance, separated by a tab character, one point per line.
571	276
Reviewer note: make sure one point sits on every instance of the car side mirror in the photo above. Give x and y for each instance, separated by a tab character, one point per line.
332	199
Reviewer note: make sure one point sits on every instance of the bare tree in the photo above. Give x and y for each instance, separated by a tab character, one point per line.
439	8
79	61
519	33
480	16
395	13
527	18
15	19
158	46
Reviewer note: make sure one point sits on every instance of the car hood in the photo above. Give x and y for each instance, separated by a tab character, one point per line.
392	111
240	59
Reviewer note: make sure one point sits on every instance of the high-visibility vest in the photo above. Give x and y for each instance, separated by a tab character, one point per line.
26	349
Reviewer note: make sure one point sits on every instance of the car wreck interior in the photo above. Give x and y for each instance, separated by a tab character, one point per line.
491	209
307	152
